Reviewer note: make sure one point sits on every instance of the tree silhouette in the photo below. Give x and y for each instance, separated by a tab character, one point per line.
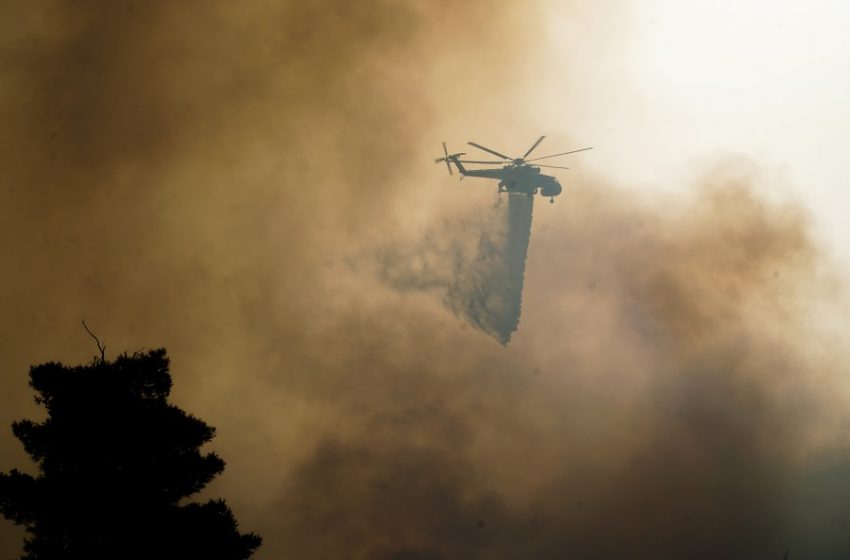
115	459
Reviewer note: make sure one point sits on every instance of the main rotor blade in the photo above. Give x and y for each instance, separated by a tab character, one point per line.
531	149
552	166
562	154
494	152
490	162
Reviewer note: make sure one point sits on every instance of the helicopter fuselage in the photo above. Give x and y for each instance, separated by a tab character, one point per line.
517	174
512	178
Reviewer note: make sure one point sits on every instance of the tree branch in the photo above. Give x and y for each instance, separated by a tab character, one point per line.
101	347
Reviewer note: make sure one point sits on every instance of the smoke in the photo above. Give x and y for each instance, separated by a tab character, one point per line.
196	175
664	403
475	265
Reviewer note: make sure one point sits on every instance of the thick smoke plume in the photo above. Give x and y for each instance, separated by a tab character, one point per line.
195	175
476	266
661	402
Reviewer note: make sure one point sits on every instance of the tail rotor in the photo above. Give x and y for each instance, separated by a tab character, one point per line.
448	158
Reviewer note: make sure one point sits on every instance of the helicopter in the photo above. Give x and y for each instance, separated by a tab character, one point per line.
517	175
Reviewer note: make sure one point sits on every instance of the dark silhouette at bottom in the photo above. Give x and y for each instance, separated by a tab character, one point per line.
115	459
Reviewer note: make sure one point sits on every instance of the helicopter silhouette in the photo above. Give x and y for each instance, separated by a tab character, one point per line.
516	175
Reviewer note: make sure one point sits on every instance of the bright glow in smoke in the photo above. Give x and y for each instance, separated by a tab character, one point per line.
662	85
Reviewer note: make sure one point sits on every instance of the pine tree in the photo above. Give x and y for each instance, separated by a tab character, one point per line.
115	459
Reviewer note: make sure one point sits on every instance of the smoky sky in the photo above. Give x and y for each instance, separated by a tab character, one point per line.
201	176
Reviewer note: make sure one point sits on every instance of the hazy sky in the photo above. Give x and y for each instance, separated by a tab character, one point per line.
667	86
219	178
